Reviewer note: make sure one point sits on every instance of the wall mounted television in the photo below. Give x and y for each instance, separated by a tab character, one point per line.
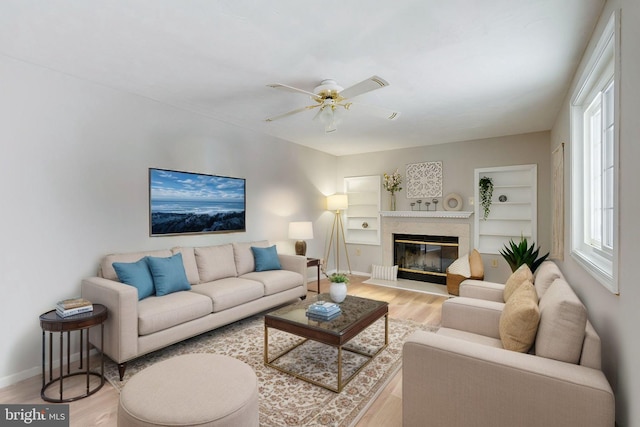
195	203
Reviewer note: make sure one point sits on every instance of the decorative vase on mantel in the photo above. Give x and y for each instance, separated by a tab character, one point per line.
392	203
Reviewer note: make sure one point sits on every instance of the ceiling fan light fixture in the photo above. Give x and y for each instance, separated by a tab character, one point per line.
328	89
328	95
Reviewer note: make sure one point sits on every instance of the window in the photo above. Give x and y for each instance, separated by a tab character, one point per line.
594	153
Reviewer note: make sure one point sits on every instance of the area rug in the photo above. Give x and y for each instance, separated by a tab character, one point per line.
284	399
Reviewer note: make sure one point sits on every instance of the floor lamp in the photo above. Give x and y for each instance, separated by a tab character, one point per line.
336	203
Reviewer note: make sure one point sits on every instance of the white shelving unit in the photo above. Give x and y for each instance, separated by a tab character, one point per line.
362	217
513	218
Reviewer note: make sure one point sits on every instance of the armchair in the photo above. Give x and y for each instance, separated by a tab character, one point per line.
463	376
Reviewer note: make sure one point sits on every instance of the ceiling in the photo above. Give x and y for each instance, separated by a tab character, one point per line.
458	69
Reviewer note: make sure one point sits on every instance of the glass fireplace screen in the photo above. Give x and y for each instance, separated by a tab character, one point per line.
424	258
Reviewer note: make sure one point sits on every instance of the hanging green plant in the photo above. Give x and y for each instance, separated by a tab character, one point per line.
486	192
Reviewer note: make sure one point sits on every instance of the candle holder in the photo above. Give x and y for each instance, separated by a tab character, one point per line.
427	203
413	205
435	204
419	202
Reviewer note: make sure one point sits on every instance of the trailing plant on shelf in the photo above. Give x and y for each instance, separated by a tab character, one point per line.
486	192
522	253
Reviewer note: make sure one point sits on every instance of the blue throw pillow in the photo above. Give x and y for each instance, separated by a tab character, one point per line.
136	274
266	258
168	274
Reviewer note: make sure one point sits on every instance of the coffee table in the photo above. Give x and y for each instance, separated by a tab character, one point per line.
357	314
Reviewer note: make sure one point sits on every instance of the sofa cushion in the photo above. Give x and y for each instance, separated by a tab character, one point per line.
189	261
136	274
275	281
544	276
518	277
243	255
519	319
563	320
159	313
106	266
168	274
215	262
475	264
230	292
266	258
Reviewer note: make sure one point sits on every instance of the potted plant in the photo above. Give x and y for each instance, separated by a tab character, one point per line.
522	253
486	191
338	287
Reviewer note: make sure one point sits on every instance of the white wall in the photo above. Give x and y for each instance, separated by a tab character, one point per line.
458	163
74	186
616	318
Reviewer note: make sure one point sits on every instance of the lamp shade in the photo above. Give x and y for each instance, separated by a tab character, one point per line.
337	202
301	230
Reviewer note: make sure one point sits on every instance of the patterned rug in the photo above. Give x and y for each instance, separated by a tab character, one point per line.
284	399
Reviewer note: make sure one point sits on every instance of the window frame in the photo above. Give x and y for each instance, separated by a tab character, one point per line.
602	67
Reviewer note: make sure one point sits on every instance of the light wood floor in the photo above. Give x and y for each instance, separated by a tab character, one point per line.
100	409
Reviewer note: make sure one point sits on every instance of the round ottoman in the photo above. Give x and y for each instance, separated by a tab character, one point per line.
191	390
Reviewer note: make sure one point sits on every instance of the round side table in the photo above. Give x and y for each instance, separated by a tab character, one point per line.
51	322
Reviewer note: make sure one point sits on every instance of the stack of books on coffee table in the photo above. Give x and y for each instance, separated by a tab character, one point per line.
73	306
323	311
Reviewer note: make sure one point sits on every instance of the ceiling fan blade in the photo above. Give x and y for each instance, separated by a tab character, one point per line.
373	110
290	113
293	89
372	83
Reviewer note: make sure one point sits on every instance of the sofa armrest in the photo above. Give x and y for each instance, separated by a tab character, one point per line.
482	289
472	315
121	327
453	382
297	263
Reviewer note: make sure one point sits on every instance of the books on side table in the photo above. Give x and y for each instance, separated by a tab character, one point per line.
73	306
323	311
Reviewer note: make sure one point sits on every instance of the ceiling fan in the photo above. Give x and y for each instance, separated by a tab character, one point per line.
332	100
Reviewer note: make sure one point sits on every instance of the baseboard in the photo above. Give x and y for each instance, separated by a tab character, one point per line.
37	370
20	376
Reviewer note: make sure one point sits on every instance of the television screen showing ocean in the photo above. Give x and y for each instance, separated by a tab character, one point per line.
201	207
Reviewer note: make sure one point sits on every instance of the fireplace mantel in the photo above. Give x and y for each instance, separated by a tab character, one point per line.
426	214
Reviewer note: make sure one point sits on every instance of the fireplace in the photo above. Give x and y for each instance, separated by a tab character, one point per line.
433	223
424	257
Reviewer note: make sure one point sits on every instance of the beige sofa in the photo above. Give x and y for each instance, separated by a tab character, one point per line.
224	288
463	376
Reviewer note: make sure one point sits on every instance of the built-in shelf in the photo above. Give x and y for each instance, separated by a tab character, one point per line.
427	214
509	220
362	220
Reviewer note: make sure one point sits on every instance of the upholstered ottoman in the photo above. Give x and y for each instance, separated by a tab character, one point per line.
191	390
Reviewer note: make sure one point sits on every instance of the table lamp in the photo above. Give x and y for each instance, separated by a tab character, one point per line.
301	230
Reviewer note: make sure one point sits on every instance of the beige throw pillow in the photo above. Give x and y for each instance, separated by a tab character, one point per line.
475	264
515	280
519	319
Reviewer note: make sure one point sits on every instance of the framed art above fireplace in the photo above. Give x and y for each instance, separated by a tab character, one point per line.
195	203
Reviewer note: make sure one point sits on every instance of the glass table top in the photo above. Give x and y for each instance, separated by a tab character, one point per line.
352	310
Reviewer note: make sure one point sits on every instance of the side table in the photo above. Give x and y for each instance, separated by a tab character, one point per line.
51	322
315	262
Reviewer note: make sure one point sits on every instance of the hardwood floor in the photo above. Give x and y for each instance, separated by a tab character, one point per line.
100	409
